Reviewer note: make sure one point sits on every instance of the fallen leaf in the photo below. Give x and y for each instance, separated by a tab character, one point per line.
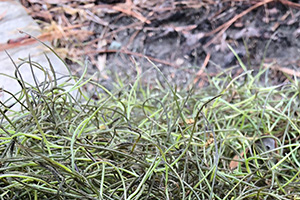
234	163
284	70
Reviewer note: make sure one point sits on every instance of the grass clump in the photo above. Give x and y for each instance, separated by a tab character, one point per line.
151	142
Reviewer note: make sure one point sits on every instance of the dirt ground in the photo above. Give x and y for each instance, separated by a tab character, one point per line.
188	40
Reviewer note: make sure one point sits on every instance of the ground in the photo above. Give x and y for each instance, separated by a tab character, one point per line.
188	40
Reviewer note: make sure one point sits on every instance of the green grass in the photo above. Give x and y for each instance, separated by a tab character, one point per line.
150	142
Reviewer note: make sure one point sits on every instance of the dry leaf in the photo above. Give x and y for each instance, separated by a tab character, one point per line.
284	70
233	164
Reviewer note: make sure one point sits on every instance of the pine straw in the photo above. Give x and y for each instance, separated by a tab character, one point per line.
149	142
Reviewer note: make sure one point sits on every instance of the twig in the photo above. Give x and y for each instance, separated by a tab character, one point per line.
289	3
132	53
201	70
221	29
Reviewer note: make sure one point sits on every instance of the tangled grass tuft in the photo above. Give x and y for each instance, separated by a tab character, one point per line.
140	143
